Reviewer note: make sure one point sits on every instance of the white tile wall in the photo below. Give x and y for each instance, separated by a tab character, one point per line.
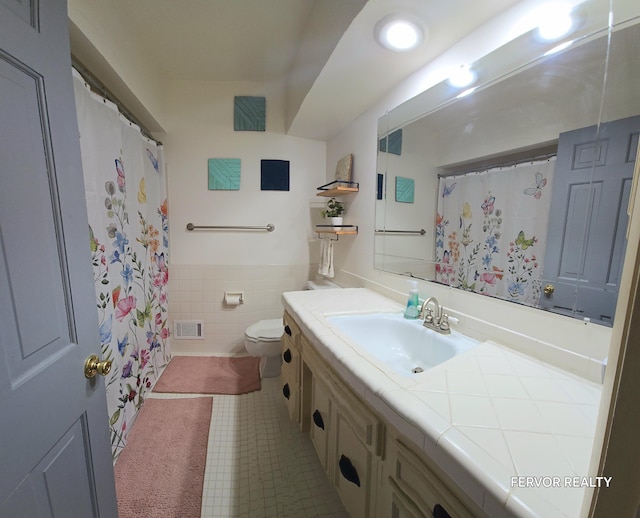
197	293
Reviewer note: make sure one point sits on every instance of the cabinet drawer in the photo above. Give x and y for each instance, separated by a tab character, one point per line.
418	482
320	426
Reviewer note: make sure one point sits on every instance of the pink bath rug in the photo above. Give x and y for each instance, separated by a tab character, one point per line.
160	471
210	375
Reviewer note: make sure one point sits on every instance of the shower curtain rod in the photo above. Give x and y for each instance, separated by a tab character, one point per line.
98	87
508	163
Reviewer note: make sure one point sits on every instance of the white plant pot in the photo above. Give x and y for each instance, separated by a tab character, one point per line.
336	221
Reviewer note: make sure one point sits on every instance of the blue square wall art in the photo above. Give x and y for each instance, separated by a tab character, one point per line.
274	175
249	113
224	174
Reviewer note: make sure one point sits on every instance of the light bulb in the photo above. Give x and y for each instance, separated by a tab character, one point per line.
401	35
462	76
554	21
398	33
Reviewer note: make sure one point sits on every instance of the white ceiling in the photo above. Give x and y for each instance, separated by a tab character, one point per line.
322	51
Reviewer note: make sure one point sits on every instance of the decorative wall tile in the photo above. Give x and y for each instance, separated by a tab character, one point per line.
392	143
224	174
274	175
405	188
249	113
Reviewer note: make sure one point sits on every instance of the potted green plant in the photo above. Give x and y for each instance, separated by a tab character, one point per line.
334	211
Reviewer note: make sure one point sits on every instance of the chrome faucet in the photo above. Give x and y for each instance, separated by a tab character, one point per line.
438	320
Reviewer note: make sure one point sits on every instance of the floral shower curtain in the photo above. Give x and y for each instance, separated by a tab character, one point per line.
126	200
491	230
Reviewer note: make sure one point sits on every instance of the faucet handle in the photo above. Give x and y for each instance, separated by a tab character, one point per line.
444	323
428	318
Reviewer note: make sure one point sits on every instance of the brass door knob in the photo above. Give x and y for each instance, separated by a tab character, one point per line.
93	366
549	289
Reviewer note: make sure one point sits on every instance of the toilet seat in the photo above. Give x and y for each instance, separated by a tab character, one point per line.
265	331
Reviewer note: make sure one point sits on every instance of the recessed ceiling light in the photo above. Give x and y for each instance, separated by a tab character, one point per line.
399	33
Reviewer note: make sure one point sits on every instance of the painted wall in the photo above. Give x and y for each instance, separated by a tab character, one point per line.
206	263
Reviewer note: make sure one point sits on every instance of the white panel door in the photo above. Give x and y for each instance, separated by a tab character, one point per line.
54	444
588	219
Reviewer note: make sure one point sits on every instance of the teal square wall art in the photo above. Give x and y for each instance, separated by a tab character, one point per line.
224	174
249	113
392	143
405	188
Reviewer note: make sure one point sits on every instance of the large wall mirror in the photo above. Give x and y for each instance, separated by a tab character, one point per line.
519	188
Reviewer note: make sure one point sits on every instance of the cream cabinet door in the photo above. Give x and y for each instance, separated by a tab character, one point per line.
320	427
352	468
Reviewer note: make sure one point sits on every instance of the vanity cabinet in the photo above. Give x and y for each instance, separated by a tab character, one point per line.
374	469
347	436
290	370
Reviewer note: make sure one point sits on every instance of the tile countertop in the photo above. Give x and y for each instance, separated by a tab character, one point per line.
485	417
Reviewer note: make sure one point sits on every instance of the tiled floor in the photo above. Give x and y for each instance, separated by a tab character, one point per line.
259	465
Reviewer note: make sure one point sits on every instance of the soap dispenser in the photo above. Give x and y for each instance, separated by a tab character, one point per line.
412	302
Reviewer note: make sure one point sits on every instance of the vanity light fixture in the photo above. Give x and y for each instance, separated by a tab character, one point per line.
462	76
554	21
399	33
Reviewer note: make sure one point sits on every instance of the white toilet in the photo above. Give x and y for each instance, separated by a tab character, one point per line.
263	339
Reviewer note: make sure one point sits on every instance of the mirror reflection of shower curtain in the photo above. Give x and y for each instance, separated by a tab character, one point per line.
491	230
126	202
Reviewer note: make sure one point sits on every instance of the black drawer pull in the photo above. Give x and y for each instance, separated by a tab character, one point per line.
439	512
286	391
287	356
317	419
287	330
348	470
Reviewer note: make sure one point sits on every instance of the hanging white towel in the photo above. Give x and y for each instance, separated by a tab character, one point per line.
326	258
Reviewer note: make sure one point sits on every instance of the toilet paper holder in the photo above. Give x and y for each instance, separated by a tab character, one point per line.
233	298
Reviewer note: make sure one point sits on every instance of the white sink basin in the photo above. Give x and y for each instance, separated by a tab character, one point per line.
405	346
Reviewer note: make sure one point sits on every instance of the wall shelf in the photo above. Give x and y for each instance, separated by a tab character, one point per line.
340	230
338	188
